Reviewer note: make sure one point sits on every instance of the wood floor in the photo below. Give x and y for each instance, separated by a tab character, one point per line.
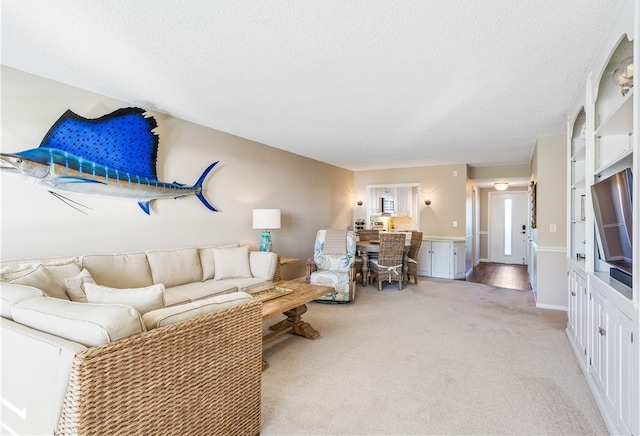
502	275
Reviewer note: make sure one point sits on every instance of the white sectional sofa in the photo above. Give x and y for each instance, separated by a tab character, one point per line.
156	342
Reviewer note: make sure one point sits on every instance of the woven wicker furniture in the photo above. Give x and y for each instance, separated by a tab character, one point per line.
201	376
412	256
95	367
364	235
389	266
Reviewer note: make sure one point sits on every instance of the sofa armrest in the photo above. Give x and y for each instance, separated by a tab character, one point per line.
199	376
264	264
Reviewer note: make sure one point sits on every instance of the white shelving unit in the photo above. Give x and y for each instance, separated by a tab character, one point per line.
604	314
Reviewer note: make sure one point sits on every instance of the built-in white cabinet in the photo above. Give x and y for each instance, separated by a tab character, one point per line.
442	258
577	315
603	318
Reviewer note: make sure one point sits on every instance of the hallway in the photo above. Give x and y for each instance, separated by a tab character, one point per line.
502	275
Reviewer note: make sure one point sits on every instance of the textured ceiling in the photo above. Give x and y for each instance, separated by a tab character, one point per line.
359	84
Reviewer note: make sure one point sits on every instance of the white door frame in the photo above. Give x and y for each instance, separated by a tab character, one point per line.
525	200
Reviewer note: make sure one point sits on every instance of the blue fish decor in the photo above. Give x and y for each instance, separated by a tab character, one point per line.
113	155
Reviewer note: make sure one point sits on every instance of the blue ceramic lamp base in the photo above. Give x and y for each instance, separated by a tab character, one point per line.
265	241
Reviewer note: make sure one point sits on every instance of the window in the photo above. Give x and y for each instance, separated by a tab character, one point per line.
508	205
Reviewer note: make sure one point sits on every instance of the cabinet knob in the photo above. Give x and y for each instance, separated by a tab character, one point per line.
602	331
573	293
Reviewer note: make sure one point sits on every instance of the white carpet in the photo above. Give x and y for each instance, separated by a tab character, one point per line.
440	357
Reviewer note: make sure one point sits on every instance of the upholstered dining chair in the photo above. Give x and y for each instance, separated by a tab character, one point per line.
412	256
334	264
388	266
365	235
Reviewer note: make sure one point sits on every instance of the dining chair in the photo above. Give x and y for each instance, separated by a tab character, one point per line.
364	235
388	266
412	256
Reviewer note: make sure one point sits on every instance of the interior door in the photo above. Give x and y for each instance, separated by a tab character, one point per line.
508	227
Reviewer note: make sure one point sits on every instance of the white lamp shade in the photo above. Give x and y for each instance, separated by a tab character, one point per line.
266	219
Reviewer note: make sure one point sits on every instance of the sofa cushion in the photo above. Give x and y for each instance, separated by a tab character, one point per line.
244	284
88	324
51	283
231	262
74	286
206	259
11	294
175	267
172	315
197	291
129	270
141	299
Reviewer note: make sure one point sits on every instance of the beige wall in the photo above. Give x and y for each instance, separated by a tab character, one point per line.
311	194
549	169
447	192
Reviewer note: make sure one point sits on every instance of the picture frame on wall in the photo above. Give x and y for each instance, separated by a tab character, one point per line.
533	188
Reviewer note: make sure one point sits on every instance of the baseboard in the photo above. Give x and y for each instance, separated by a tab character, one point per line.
551	306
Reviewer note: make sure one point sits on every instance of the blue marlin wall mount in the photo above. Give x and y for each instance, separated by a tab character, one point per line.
113	155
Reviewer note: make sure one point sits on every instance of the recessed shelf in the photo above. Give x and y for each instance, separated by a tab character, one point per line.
620	121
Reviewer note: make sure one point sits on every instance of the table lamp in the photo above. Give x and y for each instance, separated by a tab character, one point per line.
266	219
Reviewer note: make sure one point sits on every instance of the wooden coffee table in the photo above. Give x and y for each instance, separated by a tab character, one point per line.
293	306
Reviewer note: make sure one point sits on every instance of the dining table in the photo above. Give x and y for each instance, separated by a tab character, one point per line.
373	246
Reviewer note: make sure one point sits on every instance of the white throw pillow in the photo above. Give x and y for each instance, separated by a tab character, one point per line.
231	263
11	294
206	259
141	299
75	286
88	324
182	312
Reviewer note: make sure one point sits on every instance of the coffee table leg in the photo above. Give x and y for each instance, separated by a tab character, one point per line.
295	325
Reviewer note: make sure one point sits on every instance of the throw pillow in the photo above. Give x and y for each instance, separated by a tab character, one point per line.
42	278
231	263
206	259
75	286
141	299
85	323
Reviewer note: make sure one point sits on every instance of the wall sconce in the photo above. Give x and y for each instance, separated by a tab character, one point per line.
359	202
427	202
501	186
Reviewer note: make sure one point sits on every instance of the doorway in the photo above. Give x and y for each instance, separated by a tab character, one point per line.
508	227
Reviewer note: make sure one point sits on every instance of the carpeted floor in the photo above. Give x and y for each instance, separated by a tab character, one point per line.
440	357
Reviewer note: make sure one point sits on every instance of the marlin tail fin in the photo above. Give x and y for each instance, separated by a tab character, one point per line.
198	184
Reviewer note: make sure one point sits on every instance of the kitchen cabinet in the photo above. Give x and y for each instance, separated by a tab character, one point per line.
577	315
442	258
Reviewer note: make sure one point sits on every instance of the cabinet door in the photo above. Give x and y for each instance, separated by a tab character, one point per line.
603	367
441	259
459	260
625	382
424	259
572	309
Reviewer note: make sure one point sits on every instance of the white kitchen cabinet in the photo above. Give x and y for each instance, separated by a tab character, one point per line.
577	316
602	369
442	258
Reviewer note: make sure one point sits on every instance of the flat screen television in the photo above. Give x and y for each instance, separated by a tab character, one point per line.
612	198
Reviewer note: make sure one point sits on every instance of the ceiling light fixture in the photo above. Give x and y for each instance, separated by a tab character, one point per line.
501	186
